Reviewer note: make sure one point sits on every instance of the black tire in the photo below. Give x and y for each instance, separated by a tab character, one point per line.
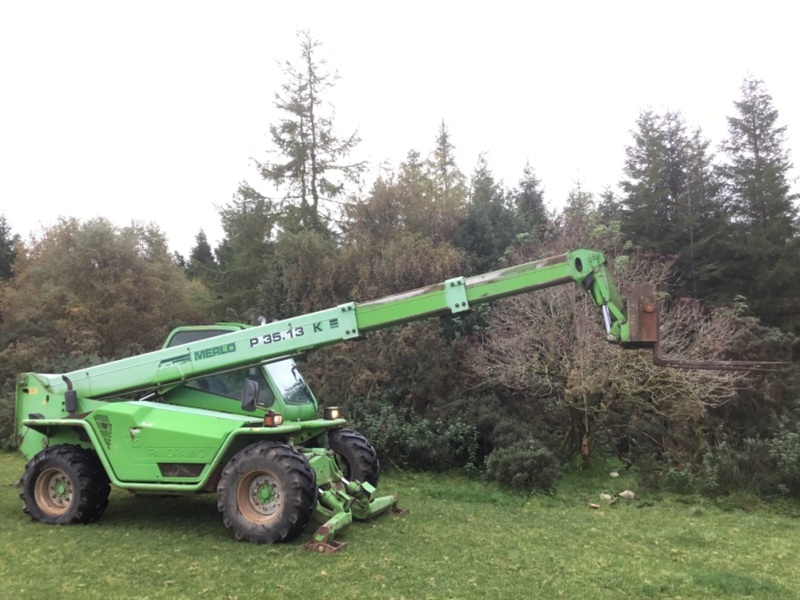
355	455
267	493
64	485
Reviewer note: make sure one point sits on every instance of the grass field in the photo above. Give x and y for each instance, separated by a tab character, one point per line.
463	539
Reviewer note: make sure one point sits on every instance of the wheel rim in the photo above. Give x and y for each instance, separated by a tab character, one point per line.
259	497
53	492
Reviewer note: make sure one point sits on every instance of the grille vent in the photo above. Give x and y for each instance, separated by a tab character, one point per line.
104	425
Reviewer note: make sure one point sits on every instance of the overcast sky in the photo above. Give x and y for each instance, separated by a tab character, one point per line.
151	111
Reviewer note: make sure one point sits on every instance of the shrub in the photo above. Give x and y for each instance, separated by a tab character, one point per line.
7	425
405	440
753	466
525	466
784	450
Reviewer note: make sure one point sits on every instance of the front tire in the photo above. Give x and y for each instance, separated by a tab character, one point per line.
64	485
267	493
356	456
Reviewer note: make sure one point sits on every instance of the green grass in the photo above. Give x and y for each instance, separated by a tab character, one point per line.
463	539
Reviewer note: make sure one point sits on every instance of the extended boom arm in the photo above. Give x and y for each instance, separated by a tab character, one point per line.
290	336
298	334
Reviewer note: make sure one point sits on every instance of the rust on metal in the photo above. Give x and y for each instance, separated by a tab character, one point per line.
517	270
323	542
553	260
643	317
438	287
644	325
718	365
328	547
528	288
396	510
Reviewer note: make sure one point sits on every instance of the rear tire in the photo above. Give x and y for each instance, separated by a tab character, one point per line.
267	493
64	485
356	456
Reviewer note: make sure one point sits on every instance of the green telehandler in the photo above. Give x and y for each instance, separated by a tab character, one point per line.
224	409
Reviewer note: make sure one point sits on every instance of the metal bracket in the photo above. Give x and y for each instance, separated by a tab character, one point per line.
324	543
347	318
643	316
455	294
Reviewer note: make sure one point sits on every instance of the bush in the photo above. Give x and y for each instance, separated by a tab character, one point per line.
784	450
7	426
685	480
753	466
405	440
462	444
525	466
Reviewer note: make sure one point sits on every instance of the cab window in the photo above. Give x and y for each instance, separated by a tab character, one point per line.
230	385
290	382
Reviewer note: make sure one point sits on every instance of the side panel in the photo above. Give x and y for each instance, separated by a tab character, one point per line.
34	401
152	443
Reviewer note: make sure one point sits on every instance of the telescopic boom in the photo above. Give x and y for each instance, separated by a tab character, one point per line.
278	339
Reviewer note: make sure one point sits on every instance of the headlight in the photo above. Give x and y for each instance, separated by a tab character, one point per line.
272	419
333	412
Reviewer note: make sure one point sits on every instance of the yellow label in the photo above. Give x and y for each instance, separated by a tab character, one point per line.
33	391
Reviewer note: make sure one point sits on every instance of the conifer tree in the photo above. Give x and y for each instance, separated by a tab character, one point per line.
449	193
201	258
489	227
8	248
244	257
670	198
764	245
310	161
528	199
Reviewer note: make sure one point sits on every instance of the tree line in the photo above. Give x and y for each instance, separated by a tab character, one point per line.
513	389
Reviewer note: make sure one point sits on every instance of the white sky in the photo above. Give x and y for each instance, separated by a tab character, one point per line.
151	110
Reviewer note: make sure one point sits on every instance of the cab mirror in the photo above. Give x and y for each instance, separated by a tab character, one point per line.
250	394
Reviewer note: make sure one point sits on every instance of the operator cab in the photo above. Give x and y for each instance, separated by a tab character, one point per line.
281	386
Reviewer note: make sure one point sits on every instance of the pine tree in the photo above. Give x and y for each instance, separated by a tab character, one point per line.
416	195
671	199
244	257
609	208
201	259
449	193
529	201
311	163
764	246
8	248
756	173
489	227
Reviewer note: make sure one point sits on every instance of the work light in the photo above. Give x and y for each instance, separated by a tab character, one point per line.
272	419
333	412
